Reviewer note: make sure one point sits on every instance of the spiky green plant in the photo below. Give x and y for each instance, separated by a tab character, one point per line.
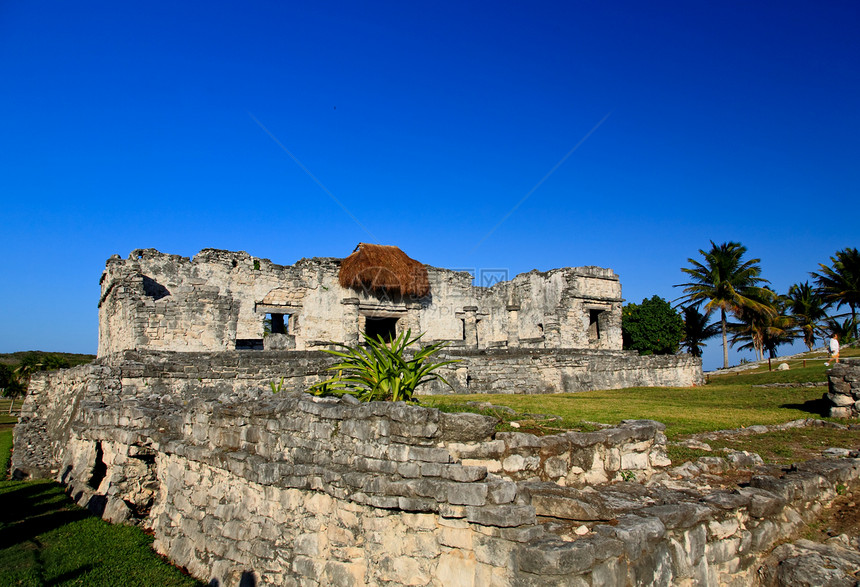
379	370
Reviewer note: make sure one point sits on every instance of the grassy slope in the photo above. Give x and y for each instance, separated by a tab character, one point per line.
728	401
45	539
5	451
683	410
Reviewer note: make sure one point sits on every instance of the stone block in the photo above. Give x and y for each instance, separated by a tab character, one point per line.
556	557
456	537
491	466
501	491
721	529
502	516
635	461
836	412
557	466
498	552
403	570
840	400
463	474
414	504
457	568
116	511
722	551
429	454
839	387
419	521
421	545
470	494
638	534
466	427
678	515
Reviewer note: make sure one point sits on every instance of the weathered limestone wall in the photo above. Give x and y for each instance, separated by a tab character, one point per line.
562	371
166	302
297	490
234	375
844	389
218	301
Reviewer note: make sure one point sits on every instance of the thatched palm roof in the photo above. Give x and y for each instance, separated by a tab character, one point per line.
384	267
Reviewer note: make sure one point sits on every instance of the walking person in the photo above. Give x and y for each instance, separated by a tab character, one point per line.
834	349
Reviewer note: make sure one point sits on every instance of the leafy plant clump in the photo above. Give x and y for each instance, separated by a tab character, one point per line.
652	327
379	370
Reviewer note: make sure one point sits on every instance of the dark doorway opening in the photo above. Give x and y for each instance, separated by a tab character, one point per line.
594	324
381	327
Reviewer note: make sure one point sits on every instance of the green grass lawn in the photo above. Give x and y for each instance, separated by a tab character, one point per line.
684	410
729	401
7	421
5	451
45	539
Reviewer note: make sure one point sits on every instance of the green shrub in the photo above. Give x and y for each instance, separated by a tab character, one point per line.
652	327
382	371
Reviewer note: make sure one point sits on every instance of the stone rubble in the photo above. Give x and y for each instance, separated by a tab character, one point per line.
844	389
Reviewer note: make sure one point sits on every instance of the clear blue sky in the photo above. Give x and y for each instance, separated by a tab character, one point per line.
127	126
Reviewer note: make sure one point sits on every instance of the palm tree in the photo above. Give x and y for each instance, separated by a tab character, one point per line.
765	329
840	284
724	281
844	329
697	330
807	309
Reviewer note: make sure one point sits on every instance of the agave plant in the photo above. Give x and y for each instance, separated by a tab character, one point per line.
382	371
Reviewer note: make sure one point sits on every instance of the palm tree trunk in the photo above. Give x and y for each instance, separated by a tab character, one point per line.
854	319
725	340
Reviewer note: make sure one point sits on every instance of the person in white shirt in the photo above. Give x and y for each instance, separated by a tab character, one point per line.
834	349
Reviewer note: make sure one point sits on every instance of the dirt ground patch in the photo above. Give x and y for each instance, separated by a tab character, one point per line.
780	447
842	517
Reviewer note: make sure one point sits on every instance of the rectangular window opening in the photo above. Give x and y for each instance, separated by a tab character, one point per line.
384	327
276	324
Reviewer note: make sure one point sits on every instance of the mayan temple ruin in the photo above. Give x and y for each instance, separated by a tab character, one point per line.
174	427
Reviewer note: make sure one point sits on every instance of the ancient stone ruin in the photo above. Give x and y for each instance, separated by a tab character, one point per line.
220	301
844	389
537	333
174	428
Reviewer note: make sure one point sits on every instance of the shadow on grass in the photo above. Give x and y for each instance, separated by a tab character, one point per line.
30	510
71	575
25	500
35	525
818	407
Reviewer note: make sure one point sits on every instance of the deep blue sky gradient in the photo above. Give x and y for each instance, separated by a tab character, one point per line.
128	126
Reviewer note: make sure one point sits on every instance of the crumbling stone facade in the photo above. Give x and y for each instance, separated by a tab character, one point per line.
219	301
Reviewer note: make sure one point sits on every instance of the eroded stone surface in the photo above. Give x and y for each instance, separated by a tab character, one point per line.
303	490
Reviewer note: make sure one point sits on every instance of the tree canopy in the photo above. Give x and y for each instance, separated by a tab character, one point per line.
697	330
839	283
652	327
726	282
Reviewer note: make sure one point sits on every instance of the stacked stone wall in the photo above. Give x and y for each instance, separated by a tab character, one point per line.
298	490
562	371
844	389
